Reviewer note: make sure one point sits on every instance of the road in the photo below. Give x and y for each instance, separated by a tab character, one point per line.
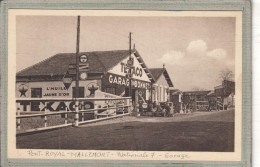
199	131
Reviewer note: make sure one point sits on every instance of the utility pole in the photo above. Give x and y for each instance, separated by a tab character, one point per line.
77	75
130	68
130	44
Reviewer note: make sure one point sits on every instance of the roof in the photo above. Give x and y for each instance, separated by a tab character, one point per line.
157	72
99	62
218	87
175	92
143	65
203	92
225	89
211	93
58	64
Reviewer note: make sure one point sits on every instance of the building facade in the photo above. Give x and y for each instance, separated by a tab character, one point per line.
176	99
160	86
107	72
226	91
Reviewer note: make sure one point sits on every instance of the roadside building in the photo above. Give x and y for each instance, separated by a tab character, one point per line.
196	95
226	91
196	100
176	99
212	98
107	74
160	86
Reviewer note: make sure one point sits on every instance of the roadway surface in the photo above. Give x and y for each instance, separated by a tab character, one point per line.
199	131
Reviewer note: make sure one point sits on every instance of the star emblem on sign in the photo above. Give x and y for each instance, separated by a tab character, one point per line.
92	89
23	89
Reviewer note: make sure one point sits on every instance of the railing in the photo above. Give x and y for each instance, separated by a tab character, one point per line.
102	107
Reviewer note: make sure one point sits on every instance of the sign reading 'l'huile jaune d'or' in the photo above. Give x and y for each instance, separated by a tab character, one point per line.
56	91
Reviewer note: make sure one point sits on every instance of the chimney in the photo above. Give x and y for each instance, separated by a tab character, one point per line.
163	65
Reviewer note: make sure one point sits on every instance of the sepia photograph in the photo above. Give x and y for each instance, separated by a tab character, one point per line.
126	85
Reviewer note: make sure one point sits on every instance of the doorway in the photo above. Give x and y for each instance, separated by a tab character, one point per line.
135	97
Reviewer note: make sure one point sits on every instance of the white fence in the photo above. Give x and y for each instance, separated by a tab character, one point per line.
102	109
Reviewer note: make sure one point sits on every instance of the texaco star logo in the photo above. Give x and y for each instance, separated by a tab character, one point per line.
23	89
92	87
92	90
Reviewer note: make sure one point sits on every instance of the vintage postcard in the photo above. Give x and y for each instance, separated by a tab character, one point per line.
126	87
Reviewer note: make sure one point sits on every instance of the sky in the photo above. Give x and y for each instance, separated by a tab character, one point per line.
193	49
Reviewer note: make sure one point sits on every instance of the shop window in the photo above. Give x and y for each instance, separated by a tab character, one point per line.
36	92
111	90
81	92
147	94
160	94
163	94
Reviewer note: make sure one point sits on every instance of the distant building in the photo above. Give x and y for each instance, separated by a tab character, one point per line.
226	91
176	98
211	95
193	100
195	95
160	86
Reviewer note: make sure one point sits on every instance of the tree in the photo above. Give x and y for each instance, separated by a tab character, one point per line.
226	74
226	77
198	89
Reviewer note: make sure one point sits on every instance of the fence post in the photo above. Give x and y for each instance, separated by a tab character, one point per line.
82	115
66	115
76	119
117	106
129	106
45	118
123	107
107	110
96	114
116	111
125	104
18	114
81	108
